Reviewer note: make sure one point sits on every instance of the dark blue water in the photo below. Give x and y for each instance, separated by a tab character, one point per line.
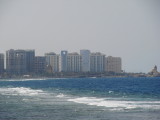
80	99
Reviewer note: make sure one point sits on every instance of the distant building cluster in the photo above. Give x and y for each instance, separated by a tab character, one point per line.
22	62
154	72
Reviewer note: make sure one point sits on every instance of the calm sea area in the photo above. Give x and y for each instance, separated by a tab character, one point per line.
80	99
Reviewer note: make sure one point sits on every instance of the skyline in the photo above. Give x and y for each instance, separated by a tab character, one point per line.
127	29
69	53
24	62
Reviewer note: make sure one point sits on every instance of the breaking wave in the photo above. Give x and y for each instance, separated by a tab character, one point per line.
117	104
113	104
22	91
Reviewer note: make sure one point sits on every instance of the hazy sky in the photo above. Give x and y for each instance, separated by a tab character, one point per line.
129	29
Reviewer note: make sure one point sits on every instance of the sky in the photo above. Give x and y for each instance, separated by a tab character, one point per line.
129	29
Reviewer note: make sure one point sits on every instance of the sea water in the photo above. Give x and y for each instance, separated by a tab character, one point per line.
80	99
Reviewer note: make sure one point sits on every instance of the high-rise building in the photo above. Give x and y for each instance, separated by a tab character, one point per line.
16	61
113	64
52	60
85	60
63	61
39	64
1	63
73	62
97	62
30	55
10	61
19	61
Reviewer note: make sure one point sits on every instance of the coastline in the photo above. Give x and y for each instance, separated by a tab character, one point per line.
126	75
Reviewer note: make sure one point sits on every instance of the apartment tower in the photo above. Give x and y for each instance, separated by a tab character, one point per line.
113	64
1	63
63	61
19	61
73	62
85	54
52	60
39	64
97	62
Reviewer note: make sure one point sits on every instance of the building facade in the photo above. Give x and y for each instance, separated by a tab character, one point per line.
10	61
73	62
39	64
1	63
63	61
24	62
16	62
97	62
19	61
52	60
113	64
85	54
30	55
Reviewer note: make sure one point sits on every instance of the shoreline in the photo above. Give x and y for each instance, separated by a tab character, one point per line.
65	77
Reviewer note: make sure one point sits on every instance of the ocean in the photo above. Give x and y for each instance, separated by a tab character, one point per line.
80	99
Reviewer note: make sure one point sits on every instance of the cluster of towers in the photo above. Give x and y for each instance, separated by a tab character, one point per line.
25	62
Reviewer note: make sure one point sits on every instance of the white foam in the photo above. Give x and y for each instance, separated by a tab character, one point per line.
110	91
30	79
117	104
60	95
20	91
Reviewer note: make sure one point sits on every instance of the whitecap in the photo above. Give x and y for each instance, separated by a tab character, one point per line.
26	79
22	91
60	95
117	104
110	91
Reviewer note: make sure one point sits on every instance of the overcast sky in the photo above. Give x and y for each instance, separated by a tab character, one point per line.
129	29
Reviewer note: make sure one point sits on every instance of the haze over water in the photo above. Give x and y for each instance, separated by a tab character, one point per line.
126	29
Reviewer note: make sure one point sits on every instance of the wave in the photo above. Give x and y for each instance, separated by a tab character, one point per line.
117	104
22	91
61	95
113	104
31	79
